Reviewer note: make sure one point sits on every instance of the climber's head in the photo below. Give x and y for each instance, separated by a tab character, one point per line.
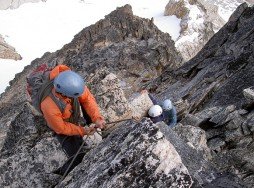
155	113
69	84
167	104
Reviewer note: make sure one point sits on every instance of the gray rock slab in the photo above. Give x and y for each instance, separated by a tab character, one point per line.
134	155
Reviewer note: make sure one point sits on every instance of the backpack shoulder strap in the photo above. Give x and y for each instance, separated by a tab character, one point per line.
76	111
46	90
61	105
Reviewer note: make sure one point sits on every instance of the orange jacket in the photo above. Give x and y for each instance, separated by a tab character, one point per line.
56	119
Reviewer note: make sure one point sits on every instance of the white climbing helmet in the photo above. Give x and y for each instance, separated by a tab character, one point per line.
167	104
155	111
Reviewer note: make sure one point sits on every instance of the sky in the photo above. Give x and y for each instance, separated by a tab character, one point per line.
36	28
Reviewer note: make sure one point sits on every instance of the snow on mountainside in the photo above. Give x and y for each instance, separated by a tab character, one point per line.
215	127
226	7
200	19
55	22
13	4
32	36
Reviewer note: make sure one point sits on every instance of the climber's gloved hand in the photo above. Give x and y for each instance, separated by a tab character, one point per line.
90	130
100	123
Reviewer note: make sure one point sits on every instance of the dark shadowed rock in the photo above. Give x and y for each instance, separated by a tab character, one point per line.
202	171
216	84
230	139
29	153
217	75
120	55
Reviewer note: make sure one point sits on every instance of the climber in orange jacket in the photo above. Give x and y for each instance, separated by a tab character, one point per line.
56	120
58	109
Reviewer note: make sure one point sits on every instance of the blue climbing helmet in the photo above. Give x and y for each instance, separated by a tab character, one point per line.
69	84
167	104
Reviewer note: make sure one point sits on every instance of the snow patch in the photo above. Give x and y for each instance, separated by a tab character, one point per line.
190	38
36	28
169	24
226	7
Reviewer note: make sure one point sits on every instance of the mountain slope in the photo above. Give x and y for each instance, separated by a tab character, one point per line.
118	56
211	87
200	19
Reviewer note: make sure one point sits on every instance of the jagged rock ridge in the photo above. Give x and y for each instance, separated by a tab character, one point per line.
200	19
98	54
212	84
122	43
138	155
7	51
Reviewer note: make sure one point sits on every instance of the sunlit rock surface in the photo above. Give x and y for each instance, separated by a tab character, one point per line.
7	51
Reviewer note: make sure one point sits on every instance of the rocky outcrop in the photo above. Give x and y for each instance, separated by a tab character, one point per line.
142	157
229	134
118	56
223	68
135	154
195	137
203	172
200	19
216	84
30	151
109	96
13	4
249	94
7	51
130	47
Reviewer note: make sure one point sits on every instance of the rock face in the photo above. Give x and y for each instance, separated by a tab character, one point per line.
223	68
216	84
195	137
122	44
249	93
200	19
31	152
203	172
13	4
130	47
118	56
109	96
7	51
142	157
229	134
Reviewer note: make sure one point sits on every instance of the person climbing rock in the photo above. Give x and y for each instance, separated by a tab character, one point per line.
169	113
162	111
66	94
